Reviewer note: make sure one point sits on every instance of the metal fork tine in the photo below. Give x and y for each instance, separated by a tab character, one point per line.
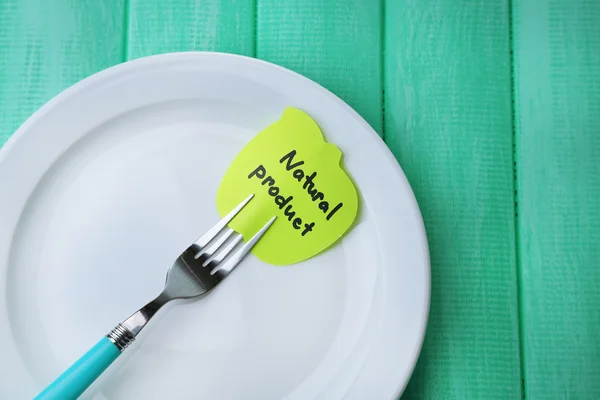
241	253
214	231
221	256
210	250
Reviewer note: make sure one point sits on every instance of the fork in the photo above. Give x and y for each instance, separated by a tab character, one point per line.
197	271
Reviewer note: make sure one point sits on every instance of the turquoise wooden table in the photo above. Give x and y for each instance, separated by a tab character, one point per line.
491	108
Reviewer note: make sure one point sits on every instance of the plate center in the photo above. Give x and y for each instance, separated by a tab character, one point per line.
102	228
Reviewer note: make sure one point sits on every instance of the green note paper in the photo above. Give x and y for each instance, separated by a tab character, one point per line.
296	176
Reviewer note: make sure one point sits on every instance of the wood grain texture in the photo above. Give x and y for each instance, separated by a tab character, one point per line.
161	26
46	46
448	121
336	44
557	92
445	67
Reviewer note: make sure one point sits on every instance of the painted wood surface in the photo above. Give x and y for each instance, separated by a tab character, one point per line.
557	98
490	108
46	46
448	121
337	44
163	26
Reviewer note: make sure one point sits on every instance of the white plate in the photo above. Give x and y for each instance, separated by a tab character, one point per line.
107	183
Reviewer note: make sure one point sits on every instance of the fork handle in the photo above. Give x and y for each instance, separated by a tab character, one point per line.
75	380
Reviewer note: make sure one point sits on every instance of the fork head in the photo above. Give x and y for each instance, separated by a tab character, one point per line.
210	259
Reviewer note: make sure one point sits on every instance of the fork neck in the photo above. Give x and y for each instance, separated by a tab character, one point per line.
136	322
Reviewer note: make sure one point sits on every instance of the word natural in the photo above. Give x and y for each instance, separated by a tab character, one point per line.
309	185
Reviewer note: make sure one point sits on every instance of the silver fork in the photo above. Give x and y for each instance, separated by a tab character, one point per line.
197	271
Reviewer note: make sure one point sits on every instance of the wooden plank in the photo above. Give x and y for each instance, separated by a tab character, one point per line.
161	26
46	46
448	121
337	44
557	87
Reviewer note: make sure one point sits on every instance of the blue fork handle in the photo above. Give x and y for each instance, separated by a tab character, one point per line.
75	380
